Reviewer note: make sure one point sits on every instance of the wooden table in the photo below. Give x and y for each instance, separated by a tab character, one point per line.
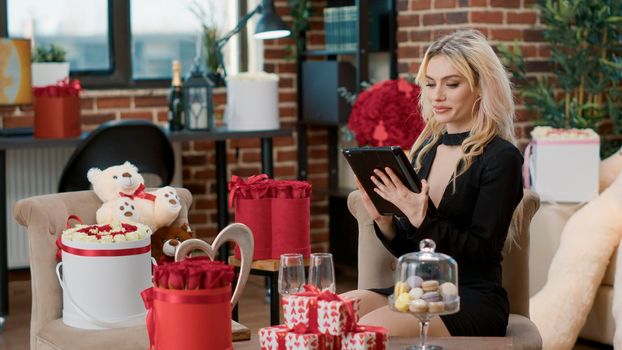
399	343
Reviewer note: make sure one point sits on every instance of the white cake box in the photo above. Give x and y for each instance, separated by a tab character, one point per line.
252	102
102	283
561	165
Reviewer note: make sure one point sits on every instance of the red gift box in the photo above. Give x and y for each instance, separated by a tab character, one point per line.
57	110
365	338
189	319
190	305
277	212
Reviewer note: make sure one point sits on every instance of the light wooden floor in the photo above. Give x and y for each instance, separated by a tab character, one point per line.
253	311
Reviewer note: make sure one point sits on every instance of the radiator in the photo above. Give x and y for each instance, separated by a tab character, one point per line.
29	172
33	172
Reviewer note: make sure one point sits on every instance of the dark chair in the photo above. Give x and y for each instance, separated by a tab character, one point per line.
140	142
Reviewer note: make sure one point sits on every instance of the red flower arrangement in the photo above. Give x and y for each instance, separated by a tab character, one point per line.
387	114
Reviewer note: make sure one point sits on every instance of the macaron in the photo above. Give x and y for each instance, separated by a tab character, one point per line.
418	306
402	302
431	296
415	293
429	285
448	289
414	281
400	287
436	307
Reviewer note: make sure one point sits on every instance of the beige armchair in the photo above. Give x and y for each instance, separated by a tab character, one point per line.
376	266
44	218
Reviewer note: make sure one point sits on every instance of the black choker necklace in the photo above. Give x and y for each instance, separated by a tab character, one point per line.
454	139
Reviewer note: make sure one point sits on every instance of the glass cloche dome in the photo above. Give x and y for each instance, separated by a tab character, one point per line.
426	284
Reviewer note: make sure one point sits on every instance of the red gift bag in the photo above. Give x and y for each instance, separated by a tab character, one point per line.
57	110
276	211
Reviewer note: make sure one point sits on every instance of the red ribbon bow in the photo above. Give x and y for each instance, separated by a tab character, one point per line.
139	193
313	291
237	183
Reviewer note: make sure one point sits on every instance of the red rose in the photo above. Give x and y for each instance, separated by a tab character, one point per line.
386	114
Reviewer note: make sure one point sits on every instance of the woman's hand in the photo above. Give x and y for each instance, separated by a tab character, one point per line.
390	187
384	222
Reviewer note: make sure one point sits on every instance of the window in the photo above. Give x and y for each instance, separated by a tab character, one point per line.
80	27
117	43
164	30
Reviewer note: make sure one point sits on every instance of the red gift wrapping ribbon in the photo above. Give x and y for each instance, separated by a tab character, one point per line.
63	88
237	183
104	252
313	291
139	193
150	294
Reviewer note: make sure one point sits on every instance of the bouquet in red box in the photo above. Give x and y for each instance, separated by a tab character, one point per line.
57	110
189	305
276	211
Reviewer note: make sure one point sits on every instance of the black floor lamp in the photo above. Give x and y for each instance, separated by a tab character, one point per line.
269	26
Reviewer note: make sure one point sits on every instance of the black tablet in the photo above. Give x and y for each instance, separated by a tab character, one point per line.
364	160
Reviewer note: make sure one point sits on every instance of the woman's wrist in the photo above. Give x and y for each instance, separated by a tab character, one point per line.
385	224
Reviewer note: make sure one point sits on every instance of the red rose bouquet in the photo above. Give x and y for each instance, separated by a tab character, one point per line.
189	306
387	114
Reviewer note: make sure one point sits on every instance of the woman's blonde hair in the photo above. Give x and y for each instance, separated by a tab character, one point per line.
493	112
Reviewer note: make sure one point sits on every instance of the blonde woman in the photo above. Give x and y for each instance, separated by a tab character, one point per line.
472	174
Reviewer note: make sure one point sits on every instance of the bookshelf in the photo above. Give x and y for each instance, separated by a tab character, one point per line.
374	33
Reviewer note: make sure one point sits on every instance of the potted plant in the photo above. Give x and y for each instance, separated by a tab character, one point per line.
585	37
49	65
210	34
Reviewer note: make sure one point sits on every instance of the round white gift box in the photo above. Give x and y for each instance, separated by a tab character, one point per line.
252	102
102	283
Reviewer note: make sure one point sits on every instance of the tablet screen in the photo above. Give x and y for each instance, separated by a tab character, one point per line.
364	160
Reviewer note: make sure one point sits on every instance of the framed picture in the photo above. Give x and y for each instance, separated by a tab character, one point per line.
15	74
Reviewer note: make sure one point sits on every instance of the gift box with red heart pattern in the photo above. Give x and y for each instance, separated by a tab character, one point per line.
300	311
273	338
365	338
336	317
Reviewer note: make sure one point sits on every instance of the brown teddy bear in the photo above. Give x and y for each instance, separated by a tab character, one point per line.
165	240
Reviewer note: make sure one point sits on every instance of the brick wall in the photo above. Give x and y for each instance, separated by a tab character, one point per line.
421	21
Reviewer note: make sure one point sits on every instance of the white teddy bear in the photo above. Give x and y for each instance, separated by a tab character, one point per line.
122	189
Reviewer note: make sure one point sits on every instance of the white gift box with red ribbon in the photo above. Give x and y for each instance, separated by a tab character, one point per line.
336	317
562	165
102	283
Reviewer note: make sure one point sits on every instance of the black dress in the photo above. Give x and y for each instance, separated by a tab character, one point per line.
471	225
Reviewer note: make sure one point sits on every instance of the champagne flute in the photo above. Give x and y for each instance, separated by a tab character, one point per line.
291	274
322	271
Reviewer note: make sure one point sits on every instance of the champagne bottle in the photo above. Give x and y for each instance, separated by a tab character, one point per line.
176	101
